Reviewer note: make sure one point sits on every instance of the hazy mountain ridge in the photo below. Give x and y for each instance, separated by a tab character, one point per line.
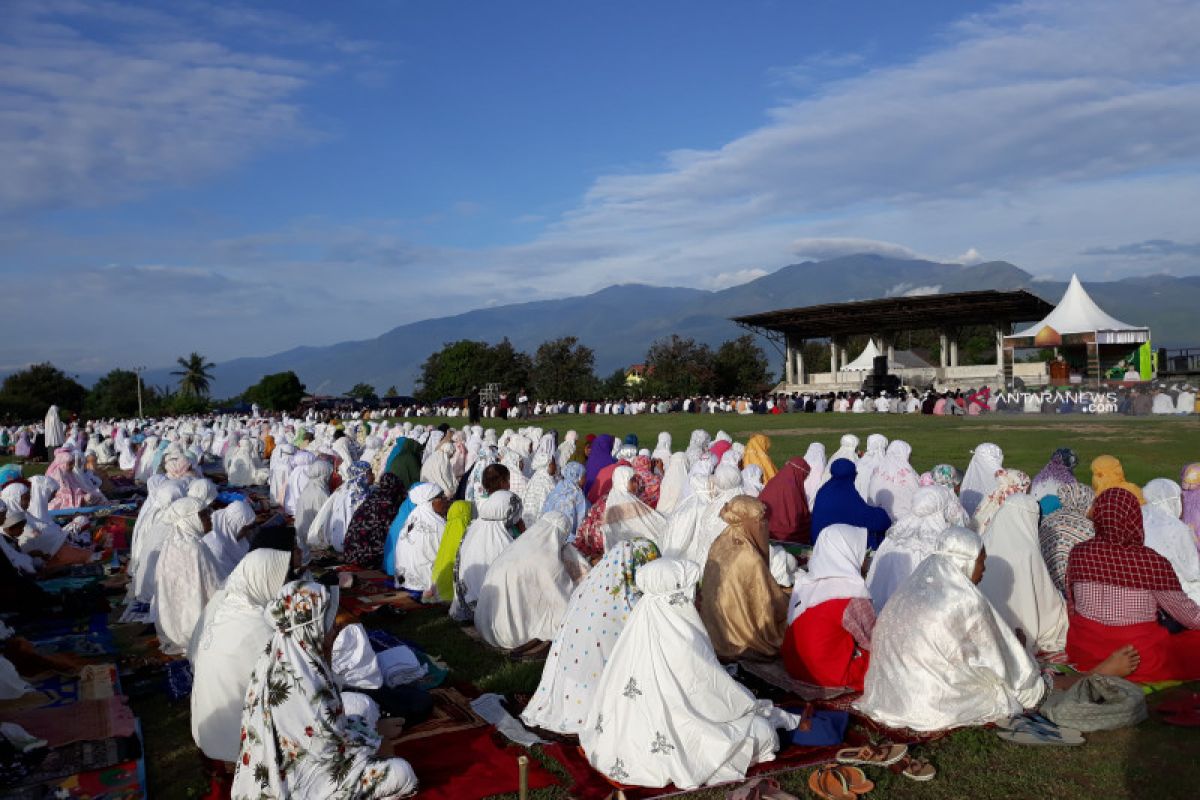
619	322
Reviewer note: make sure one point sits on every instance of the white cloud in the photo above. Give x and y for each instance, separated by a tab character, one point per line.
971	256
88	121
724	280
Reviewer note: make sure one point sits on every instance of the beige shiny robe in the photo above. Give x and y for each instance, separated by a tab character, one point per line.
743	608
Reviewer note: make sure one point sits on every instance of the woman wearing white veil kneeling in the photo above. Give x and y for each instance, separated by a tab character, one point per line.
666	711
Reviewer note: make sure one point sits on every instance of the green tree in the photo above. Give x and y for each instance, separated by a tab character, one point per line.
613	387
740	367
116	395
362	391
180	403
453	370
194	375
392	391
26	395
679	367
281	391
563	370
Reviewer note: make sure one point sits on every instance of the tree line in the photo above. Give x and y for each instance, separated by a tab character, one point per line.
560	369
564	369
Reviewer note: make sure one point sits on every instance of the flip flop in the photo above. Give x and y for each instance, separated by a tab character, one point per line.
883	755
856	779
1025	731
829	784
760	789
916	769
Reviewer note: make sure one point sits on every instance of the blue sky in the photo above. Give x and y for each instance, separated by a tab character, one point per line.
243	178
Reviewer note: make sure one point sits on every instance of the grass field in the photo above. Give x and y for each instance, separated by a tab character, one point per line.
1152	760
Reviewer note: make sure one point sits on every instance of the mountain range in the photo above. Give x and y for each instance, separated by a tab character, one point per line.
621	321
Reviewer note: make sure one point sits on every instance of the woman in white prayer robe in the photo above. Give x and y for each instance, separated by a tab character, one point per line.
894	481
941	656
847	449
225	644
56	433
297	479
545	478
815	458
312	499
697	523
909	541
979	481
187	575
483	542
871	460
594	619
752	480
227	540
666	711
526	589
672	489
1168	535
243	467
280	466
149	533
438	470
420	537
328	529
1017	581
626	516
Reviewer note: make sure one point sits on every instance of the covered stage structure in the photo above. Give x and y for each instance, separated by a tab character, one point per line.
883	321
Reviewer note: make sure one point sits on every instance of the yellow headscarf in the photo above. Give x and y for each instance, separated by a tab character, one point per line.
756	453
1107	473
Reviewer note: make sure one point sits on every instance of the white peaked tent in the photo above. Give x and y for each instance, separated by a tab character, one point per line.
1096	344
1077	312
899	360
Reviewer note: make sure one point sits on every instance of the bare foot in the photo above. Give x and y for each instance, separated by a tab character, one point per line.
1122	663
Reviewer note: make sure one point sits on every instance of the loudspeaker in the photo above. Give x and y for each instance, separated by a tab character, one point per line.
881	365
874	384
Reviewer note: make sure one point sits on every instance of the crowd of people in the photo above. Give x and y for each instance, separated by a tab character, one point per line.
1141	400
640	570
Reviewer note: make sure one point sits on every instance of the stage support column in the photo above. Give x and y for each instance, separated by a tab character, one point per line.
943	349
833	356
801	374
1001	332
954	348
789	372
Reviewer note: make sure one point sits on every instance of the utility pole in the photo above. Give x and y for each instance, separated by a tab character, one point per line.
138	371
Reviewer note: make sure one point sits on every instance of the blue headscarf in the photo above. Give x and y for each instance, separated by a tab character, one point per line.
567	498
839	502
10	473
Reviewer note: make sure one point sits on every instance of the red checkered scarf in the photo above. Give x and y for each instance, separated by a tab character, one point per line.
1117	556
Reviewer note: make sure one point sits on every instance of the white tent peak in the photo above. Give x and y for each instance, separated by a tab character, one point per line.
866	359
1077	312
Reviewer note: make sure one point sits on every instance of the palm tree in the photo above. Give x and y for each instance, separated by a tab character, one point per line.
194	375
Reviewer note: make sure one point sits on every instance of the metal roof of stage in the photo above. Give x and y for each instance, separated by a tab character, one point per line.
892	314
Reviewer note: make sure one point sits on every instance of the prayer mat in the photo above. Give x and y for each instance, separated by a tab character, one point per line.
776	675
95	682
179	678
588	784
452	713
76	759
62	626
84	721
122	781
67	584
471	763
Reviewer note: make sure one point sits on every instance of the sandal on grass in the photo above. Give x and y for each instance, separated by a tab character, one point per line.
760	789
829	784
914	768
856	779
871	755
1022	730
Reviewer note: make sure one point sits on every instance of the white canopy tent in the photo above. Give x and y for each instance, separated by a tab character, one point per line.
897	359
1077	312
